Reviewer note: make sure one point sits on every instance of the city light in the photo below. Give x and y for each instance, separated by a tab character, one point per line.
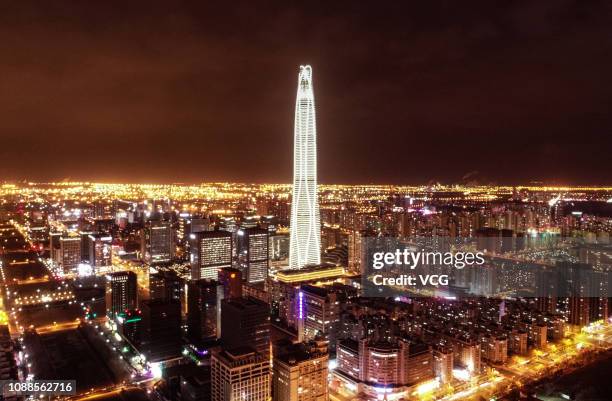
461	374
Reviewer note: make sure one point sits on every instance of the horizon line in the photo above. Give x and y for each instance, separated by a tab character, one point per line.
288	184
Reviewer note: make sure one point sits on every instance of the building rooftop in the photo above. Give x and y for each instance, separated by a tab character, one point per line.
296	353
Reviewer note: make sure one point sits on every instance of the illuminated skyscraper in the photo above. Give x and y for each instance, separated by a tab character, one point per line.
210	251
204	312
99	250
121	292
305	240
70	251
158	242
253	246
239	374
300	372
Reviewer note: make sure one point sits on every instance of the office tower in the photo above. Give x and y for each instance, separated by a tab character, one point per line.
231	281
161	334
228	224
85	245
300	373
55	246
121	292
99	250
252	244
319	309
198	224
98	210
70	250
129	324
158	242
203	313
250	222
183	228
210	252
188	224
246	321
279	248
305	240
166	285
239	374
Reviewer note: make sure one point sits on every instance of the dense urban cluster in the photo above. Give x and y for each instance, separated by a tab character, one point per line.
191	297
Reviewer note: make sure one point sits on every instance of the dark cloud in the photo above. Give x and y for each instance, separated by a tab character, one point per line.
406	92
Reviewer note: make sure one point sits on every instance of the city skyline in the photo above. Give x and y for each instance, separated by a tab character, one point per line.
512	94
123	288
180	221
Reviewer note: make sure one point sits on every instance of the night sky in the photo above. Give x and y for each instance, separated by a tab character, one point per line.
406	91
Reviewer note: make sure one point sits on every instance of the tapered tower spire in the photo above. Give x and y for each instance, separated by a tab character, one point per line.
305	241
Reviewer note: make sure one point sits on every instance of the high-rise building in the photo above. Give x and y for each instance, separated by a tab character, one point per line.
55	246
85	245
70	251
279	248
318	312
210	251
246	321
355	240
253	254
537	335
188	224
129	324
158	242
443	364
300	373
368	365
121	292
239	374
417	365
305	238
494	348
99	250
466	352
161	329
203	316
517	342
166	285
231	280
99	210
8	352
